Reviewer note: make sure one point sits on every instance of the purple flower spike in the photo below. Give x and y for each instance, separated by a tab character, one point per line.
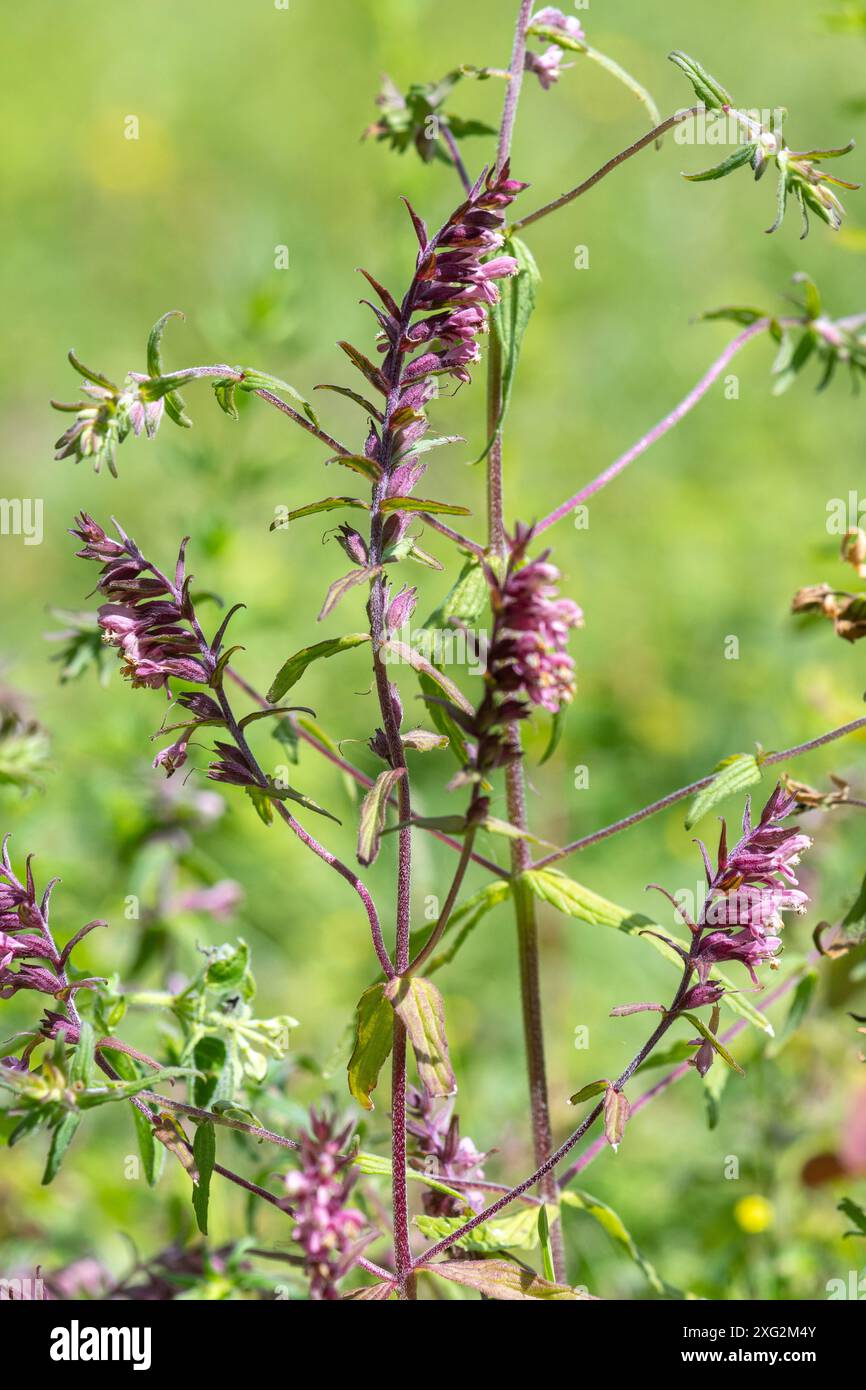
440	1151
329	1232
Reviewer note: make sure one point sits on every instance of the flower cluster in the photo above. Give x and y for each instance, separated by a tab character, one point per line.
751	887
329	1232
147	616
565	30
440	1152
528	658
105	420
28	956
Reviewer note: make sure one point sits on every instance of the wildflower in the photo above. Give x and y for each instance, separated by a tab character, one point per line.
105	420
547	66
148	617
751	888
440	1152
528	659
329	1232
550	17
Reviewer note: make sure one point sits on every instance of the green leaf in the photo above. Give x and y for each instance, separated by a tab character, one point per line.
262	381
734	161
547	1268
327	504
373	811
225	395
61	1137
352	396
81	1067
613	1224
421	504
152	1153
374	1039
707	89
735	775
594	1088
714	1083
204	1154
418	1004
519	1231
509	320
557	728
854	1213
714	1042
800	1004
292	670
502	1279
419	662
175	407
368	468
341	587
376	1166
466	918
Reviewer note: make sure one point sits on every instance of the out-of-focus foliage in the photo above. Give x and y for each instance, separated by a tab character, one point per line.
245	199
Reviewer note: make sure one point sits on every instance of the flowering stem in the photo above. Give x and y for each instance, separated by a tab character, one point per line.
515	788
548	1166
454	150
607	168
598	1145
354	772
658	431
680	795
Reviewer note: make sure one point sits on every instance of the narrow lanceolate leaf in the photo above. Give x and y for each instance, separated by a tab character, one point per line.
608	1219
593	1088
175	408
421	504
204	1154
292	670
574	900
362	401
403	652
616	1113
547	1268
152	1153
516	1232
81	1068
734	775
719	1047
61	1137
365	367
503	1279
255	380
727	166
510	318
464	921
374	1038
419	1005
341	587
368	468
707	88
373	810
327	504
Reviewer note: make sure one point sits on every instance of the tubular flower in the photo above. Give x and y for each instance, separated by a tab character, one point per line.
528	658
751	887
440	1152
148	617
24	938
328	1231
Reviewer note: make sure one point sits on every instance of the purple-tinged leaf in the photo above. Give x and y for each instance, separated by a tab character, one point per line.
616	1112
373	811
418	1004
341	587
505	1280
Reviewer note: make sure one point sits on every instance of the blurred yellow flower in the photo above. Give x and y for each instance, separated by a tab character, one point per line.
754	1214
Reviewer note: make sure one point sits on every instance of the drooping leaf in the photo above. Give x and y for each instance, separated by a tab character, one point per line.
359	463
152	1153
734	775
418	1004
509	320
419	662
61	1137
374	1039
616	1113
292	670
341	587
204	1154
362	401
502	1279
613	1224
373	810
327	504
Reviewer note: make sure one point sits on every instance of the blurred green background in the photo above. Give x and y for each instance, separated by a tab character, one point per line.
250	122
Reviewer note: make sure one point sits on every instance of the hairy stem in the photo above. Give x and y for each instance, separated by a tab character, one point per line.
606	169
